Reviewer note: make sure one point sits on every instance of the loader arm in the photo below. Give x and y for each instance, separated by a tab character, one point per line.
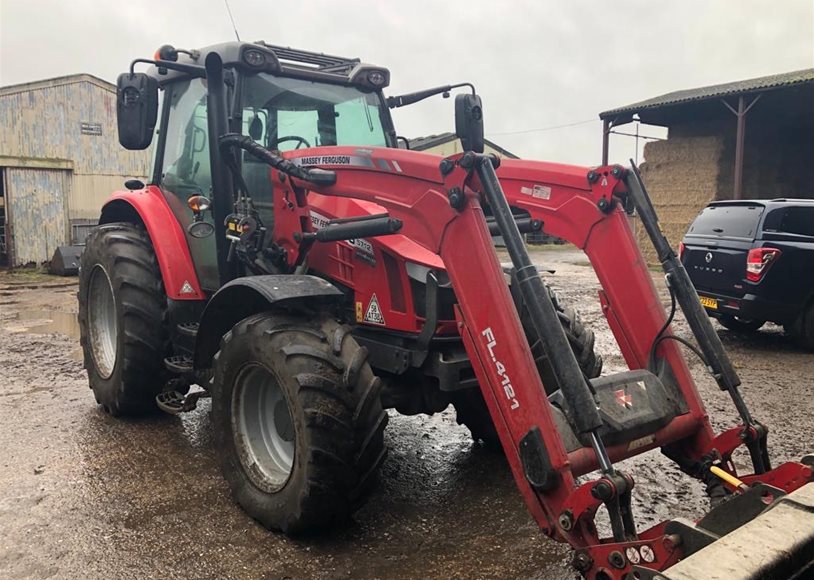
582	207
437	203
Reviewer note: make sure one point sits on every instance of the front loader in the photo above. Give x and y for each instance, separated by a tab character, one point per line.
297	406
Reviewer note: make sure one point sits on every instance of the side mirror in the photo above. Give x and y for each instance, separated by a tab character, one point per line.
469	122
136	109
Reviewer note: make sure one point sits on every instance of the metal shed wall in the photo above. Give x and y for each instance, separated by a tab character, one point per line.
43	120
36	206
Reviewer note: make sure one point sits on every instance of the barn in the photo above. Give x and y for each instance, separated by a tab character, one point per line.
748	139
59	159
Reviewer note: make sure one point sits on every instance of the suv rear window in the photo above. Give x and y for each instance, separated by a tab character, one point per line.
791	220
732	221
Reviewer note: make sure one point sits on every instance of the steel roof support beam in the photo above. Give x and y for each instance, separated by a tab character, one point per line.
740	135
606	128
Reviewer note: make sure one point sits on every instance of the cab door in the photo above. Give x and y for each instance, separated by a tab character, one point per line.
186	169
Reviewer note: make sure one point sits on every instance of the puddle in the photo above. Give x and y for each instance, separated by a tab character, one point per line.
44	322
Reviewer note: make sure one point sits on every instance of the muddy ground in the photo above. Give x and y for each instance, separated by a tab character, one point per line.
84	495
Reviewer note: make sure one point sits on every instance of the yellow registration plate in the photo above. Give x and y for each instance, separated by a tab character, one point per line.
707	302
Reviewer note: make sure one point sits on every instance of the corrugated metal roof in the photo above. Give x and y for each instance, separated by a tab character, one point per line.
56	82
690	95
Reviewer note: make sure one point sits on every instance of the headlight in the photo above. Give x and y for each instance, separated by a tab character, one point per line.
201	229
376	78
254	58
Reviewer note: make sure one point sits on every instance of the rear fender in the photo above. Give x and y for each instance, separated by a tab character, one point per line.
251	295
149	207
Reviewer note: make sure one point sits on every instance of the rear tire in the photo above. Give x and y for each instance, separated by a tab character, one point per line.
122	319
298	420
470	407
738	324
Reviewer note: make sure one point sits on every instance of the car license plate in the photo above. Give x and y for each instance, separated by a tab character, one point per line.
708	302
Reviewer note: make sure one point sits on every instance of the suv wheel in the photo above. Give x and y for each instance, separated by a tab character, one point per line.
802	329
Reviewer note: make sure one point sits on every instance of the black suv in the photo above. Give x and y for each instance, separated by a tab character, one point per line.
753	261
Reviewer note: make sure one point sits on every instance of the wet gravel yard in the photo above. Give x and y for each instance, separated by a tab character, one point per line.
85	496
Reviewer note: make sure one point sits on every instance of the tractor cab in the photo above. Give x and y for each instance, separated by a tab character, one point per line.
282	98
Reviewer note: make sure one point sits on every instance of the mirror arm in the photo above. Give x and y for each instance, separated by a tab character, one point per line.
410	98
191	69
470	85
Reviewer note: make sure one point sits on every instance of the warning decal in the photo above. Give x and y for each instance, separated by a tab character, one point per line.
187	288
373	314
359	312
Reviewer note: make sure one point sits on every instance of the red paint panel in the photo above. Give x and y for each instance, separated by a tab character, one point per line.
168	240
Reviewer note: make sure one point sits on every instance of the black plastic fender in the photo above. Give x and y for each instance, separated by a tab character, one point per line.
243	297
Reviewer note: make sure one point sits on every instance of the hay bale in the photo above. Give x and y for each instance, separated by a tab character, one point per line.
681	175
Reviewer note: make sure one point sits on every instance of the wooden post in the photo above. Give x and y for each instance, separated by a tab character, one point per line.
740	138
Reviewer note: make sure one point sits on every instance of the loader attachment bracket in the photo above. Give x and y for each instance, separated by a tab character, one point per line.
778	543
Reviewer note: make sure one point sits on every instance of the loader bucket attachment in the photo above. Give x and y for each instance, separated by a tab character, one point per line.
777	544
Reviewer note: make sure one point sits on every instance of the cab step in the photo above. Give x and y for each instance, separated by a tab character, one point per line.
179	364
188	329
175	403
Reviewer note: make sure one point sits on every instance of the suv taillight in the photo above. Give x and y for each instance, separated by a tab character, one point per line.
758	262
681	249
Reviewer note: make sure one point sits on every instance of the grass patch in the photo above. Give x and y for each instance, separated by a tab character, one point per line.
29	274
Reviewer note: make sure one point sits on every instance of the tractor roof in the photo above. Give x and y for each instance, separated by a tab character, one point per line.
263	57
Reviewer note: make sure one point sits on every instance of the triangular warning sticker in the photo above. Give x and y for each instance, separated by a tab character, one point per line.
187	288
373	314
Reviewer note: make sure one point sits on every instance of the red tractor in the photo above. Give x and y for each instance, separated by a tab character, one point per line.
291	260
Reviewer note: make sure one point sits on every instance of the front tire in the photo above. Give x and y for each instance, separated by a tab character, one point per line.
122	319
298	420
470	408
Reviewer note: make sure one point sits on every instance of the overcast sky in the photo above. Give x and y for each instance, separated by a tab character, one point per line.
537	64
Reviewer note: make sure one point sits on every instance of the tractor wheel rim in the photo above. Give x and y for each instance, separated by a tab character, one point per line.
262	427
103	325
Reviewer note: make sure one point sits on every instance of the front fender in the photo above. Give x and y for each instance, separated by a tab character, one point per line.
166	234
243	297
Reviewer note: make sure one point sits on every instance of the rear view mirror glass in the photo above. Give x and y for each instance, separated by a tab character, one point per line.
136	109
469	122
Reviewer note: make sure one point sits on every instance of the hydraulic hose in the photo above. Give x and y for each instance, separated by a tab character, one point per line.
313	175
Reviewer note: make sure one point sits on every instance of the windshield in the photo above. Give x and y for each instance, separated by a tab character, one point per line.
727	220
284	114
